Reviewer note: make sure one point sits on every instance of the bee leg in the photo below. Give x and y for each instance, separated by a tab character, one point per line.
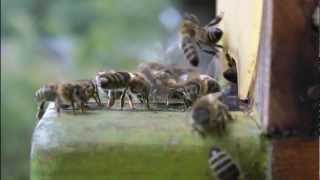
185	104
167	101
98	97
82	107
73	108
110	99
130	101
41	110
146	97
97	100
122	97
57	105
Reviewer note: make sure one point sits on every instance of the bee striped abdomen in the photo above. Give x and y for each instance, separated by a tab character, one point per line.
190	51
214	34
46	93
114	80
222	166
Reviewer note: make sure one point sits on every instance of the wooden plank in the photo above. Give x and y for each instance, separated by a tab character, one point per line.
295	159
137	144
293	55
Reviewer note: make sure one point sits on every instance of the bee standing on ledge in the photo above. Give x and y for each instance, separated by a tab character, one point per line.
191	32
61	94
120	80
210	115
78	92
222	166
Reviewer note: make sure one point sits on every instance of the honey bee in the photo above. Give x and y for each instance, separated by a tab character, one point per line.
136	83
194	87
222	166
210	115
193	35
61	94
163	77
70	93
231	73
199	85
90	90
45	94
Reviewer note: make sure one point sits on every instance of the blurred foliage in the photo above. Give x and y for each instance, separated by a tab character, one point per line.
92	35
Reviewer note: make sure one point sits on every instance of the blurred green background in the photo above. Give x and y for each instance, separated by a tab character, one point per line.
52	40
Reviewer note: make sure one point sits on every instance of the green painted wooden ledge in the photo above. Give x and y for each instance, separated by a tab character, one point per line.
139	145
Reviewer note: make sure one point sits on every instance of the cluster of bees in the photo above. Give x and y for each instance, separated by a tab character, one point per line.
158	82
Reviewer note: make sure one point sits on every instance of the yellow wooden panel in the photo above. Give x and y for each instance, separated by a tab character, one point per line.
241	26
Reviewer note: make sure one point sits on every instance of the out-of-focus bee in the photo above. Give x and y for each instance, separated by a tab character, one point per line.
194	87
210	115
162	77
222	166
192	33
136	83
197	85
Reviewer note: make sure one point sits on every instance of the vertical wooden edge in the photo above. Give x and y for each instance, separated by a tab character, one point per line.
261	84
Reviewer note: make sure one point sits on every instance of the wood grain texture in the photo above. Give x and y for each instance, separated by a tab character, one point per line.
293	54
295	159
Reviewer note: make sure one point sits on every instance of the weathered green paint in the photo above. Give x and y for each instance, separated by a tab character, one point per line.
137	145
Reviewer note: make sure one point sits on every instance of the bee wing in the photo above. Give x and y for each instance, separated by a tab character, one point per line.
215	20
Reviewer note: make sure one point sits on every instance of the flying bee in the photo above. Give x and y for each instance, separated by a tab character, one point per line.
136	83
210	115
192	34
222	166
